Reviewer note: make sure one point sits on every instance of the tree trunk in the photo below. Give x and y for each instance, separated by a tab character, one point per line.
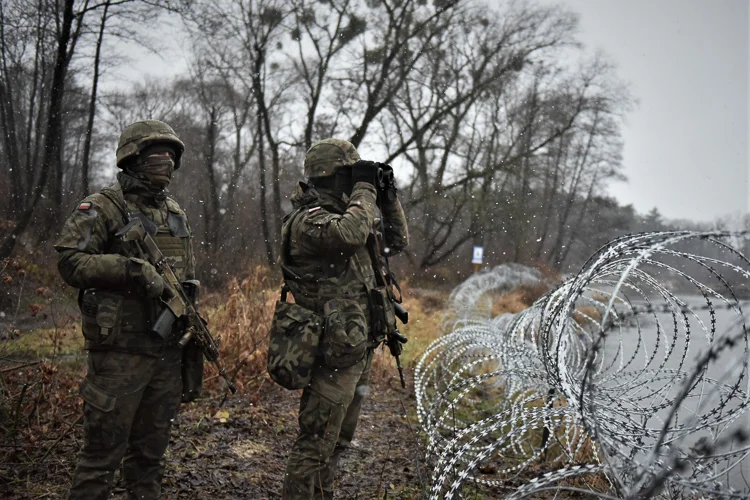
54	125
92	105
558	250
276	168
212	207
8	123
262	183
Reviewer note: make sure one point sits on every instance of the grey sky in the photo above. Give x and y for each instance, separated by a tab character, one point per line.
686	144
688	63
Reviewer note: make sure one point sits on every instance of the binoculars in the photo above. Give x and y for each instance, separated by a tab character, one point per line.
385	182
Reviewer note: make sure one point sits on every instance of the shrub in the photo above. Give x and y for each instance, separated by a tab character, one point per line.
240	318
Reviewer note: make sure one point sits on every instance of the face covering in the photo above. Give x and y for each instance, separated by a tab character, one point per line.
340	183
155	166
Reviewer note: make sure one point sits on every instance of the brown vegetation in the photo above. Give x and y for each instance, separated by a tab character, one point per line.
240	319
584	315
518	299
223	446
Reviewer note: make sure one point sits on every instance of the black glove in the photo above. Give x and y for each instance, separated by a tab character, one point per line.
366	171
148	280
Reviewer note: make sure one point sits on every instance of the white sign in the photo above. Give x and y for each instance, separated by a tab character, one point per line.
477	257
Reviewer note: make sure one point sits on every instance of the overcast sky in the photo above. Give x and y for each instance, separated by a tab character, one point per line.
687	146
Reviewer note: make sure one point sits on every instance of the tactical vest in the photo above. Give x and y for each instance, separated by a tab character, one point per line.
128	315
315	282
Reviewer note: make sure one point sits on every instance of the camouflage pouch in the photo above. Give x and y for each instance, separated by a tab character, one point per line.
101	316
293	344
345	339
382	314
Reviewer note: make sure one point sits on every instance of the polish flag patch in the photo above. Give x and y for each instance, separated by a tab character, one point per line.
84	206
314	209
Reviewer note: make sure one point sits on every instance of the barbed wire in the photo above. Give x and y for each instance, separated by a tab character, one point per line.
626	380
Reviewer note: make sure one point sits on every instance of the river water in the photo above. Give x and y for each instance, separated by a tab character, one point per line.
644	369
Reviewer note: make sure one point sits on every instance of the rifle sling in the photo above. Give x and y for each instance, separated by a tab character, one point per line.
383	275
372	251
285	244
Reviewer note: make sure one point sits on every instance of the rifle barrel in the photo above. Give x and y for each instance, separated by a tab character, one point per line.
400	372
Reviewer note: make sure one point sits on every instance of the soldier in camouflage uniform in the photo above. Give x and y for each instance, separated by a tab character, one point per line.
334	214
133	384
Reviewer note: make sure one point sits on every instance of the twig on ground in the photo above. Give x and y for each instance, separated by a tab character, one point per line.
67	431
20	295
193	444
14	431
419	452
25	365
382	471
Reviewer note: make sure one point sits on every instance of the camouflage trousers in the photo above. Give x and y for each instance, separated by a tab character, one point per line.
329	410
130	401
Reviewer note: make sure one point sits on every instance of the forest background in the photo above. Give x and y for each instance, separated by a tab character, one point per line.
503	129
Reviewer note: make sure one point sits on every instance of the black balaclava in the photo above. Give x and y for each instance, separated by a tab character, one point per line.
339	183
154	171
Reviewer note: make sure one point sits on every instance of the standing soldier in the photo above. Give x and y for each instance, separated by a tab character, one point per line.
135	379
329	268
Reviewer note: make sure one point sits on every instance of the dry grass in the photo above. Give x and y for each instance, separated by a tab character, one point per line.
424	326
518	300
515	302
240	318
584	315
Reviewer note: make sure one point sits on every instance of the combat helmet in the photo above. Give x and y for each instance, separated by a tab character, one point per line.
325	157
143	133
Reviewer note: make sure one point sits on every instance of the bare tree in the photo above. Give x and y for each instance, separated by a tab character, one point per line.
246	34
86	157
39	85
468	121
68	25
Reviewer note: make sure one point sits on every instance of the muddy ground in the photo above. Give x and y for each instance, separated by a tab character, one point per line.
239	450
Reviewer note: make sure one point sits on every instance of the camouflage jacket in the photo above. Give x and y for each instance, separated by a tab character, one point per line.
92	259
327	234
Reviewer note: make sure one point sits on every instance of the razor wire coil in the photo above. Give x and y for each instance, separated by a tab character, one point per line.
626	380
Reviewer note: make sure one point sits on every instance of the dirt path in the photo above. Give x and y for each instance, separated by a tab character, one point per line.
239	451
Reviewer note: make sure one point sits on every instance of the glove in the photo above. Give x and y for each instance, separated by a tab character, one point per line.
366	171
148	280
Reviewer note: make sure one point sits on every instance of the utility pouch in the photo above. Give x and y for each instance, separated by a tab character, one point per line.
293	345
192	371
345	339
96	397
382	314
101	316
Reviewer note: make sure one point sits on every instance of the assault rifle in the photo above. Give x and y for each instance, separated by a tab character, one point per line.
383	274
179	305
